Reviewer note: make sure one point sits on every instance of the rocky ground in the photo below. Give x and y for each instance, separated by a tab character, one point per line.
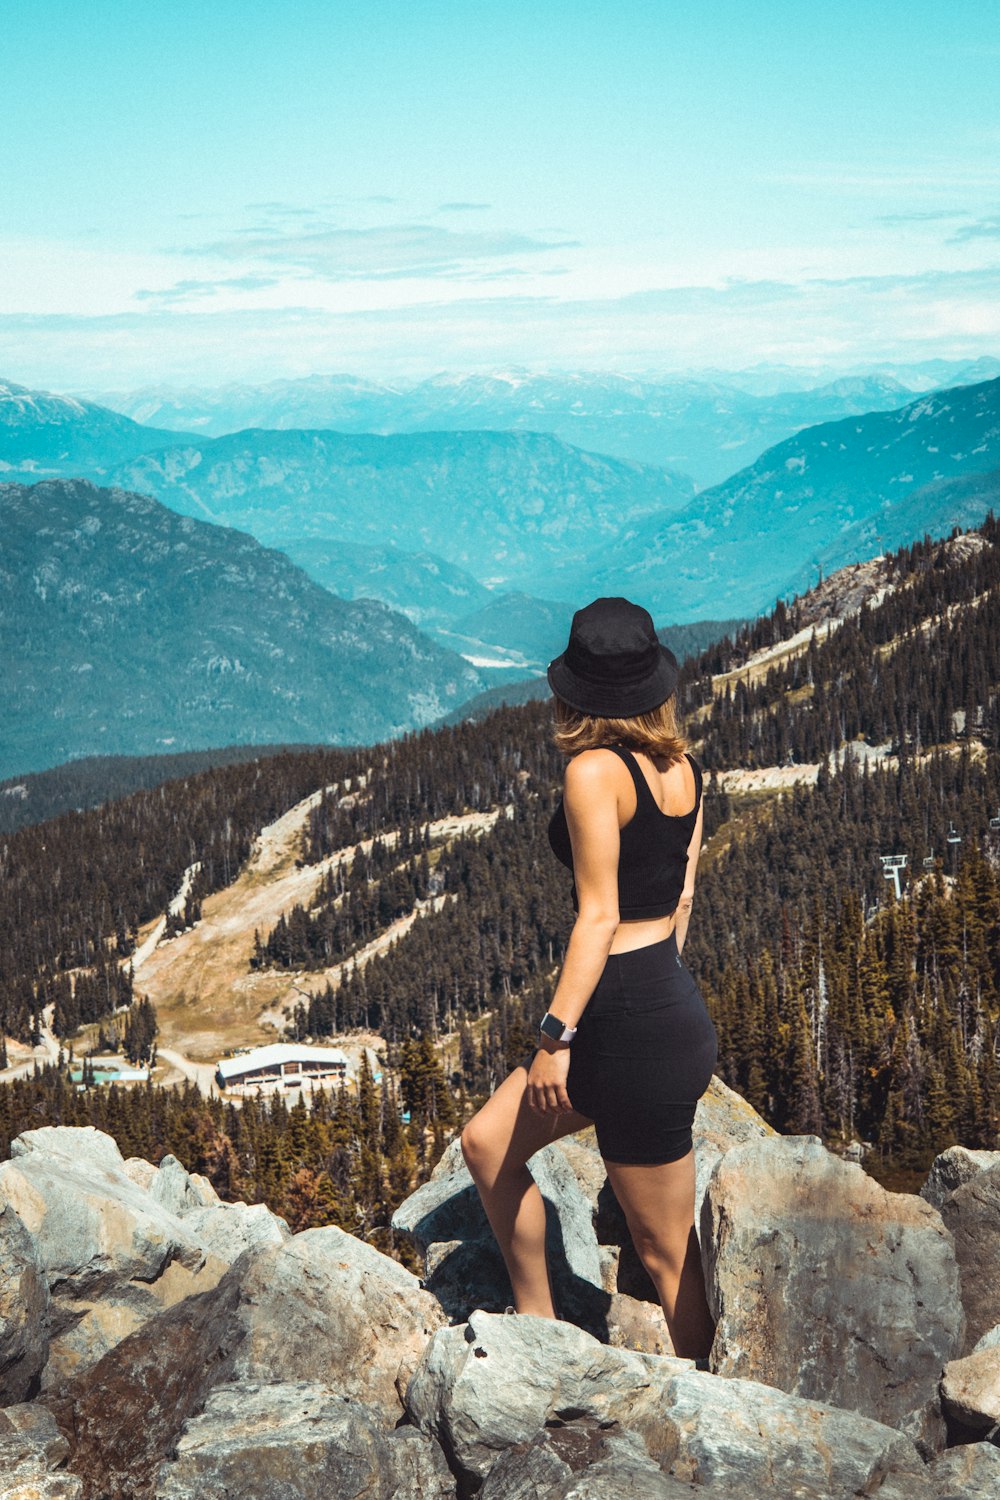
159	1344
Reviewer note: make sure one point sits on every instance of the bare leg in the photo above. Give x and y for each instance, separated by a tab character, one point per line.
496	1144
658	1204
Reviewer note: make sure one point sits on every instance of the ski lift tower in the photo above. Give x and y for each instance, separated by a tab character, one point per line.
954	838
891	866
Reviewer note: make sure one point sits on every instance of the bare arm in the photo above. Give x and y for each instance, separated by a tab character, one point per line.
590	799
687	894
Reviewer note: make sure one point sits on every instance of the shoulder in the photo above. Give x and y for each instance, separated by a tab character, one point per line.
592	771
696	768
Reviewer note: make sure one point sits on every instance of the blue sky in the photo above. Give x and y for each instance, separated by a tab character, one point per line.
196	193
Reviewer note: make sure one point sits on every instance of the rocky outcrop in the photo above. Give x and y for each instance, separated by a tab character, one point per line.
124	1414
299	1441
33	1453
825	1285
158	1344
24	1309
501	1379
972	1214
326	1306
952	1169
115	1246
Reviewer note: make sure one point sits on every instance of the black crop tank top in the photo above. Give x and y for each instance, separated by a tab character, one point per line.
653	850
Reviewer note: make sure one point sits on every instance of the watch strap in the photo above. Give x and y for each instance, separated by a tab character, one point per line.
555	1028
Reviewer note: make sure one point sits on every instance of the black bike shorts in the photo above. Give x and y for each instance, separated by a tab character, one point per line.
643	1055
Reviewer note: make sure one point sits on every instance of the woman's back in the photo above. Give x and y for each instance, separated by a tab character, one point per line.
654	840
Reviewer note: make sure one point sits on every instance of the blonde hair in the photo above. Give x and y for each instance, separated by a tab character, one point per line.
656	731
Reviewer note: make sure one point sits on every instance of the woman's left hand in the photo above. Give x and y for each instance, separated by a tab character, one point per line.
547	1080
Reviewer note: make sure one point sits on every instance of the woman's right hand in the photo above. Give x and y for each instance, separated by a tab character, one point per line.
547	1077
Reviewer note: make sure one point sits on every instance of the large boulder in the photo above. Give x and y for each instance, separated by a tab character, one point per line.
582	1458
125	1414
826	1286
24	1311
970	1389
95	1230
299	1440
113	1255
500	1380
972	1213
328	1307
952	1169
32	1454
970	1471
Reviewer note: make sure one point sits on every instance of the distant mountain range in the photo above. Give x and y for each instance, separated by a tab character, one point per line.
42	434
833	494
488	540
706	428
492	503
128	628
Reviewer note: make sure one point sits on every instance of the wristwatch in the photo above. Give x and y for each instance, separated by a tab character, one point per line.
556	1029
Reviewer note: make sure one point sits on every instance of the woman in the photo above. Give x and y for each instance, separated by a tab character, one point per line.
628	1044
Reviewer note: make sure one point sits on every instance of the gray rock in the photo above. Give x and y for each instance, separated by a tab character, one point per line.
447	1210
227	1229
723	1120
952	1169
289	1441
498	1379
416	1468
580	1460
24	1310
140	1171
82	1145
32	1454
327	1307
825	1285
926	1427
737	1436
178	1190
970	1471
95	1231
989	1340
127	1411
970	1388
972	1213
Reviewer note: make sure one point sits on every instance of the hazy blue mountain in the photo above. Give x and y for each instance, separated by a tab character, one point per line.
423	585
513	627
739	546
703	427
44	434
933	509
128	629
492	503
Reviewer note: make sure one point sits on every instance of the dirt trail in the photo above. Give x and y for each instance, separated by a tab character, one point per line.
206	997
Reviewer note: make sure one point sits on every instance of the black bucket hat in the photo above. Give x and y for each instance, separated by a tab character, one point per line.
614	666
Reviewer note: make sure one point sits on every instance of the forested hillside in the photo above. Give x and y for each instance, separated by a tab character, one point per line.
841	1009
